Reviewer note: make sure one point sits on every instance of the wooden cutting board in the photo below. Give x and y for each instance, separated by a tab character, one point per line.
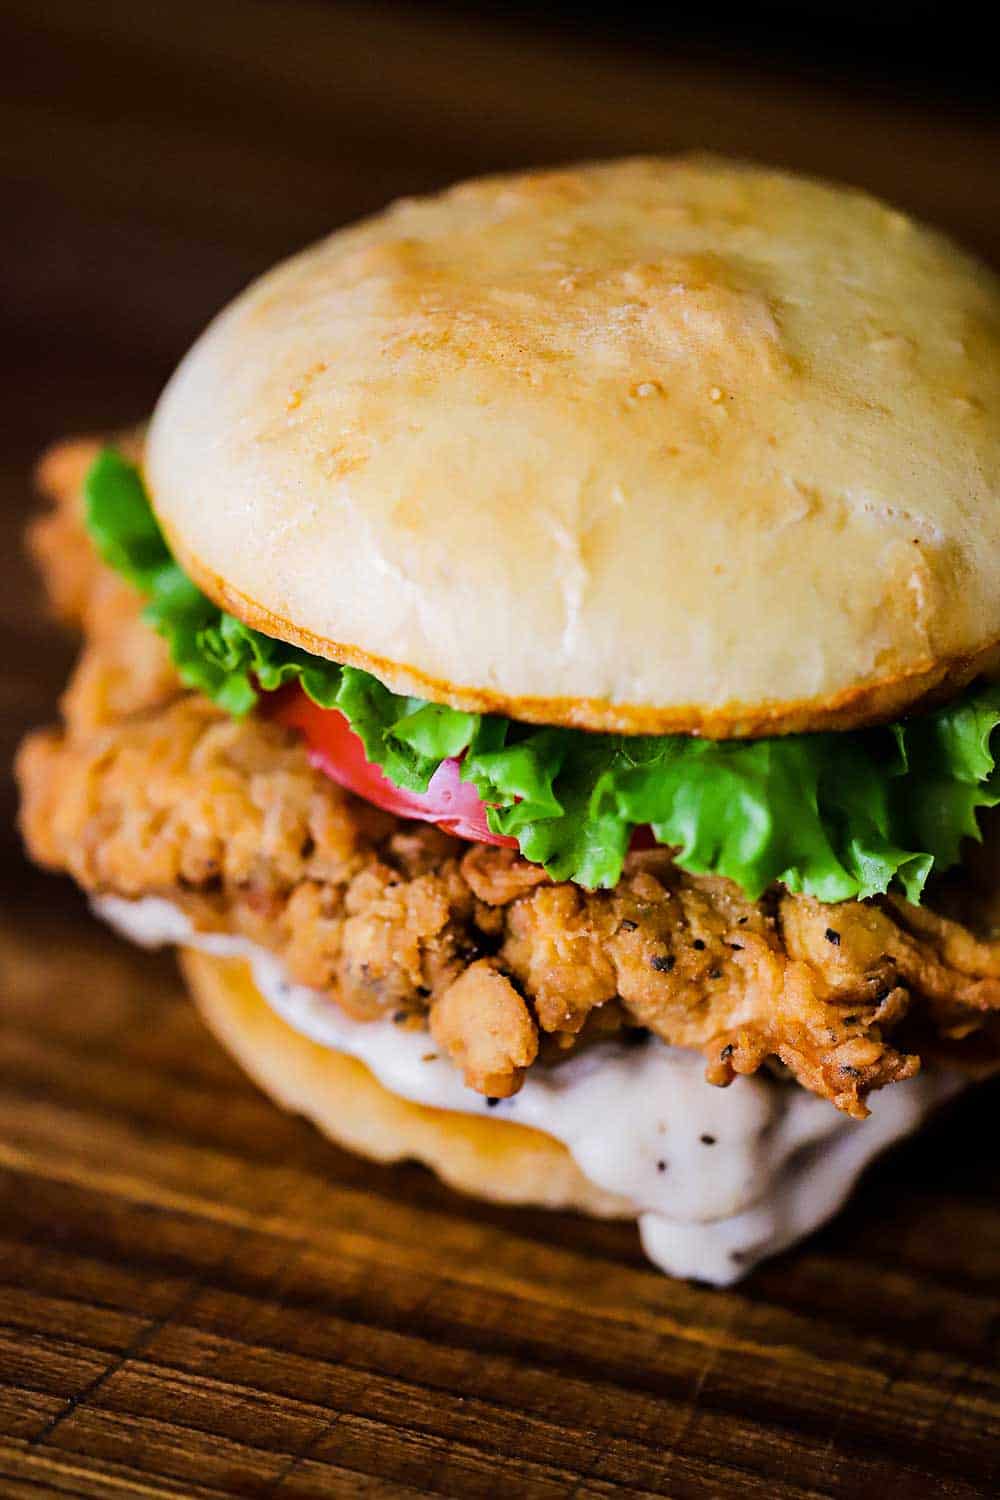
199	1297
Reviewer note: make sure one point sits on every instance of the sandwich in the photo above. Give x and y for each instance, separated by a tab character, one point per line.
541	669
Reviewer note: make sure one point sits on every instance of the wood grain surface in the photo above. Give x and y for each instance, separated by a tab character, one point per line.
198	1296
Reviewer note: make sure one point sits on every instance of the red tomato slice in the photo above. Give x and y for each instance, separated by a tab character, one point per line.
335	749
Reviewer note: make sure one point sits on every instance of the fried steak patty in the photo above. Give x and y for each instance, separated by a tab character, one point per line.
148	789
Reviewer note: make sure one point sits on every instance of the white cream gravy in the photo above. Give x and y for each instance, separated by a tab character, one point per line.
719	1178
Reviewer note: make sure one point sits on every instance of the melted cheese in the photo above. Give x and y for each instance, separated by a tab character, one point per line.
718	1178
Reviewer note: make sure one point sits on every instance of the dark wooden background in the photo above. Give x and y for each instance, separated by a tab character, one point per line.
198	1296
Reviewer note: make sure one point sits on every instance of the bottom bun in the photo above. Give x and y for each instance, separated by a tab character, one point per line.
494	1159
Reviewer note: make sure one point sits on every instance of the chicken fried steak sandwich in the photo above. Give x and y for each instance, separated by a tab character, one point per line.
540	669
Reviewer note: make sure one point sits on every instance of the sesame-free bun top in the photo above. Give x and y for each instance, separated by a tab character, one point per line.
654	445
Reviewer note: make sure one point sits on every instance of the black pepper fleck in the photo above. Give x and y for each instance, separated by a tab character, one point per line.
628	925
715	973
492	1103
850	1071
636	1036
661	1166
742	921
727	1051
736	947
699	945
663	964
708	1140
833	937
399	1017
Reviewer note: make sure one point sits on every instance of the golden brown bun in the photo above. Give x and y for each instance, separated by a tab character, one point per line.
493	1159
650	446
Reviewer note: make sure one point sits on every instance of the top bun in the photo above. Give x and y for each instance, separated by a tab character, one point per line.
649	446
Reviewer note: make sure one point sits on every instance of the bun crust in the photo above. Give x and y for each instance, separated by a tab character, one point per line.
493	1159
649	446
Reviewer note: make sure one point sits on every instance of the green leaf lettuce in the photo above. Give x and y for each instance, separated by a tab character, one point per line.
834	815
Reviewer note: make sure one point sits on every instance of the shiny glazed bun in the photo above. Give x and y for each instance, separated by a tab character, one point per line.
676	445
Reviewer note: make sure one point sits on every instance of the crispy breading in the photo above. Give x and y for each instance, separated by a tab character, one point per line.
150	790
485	1026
